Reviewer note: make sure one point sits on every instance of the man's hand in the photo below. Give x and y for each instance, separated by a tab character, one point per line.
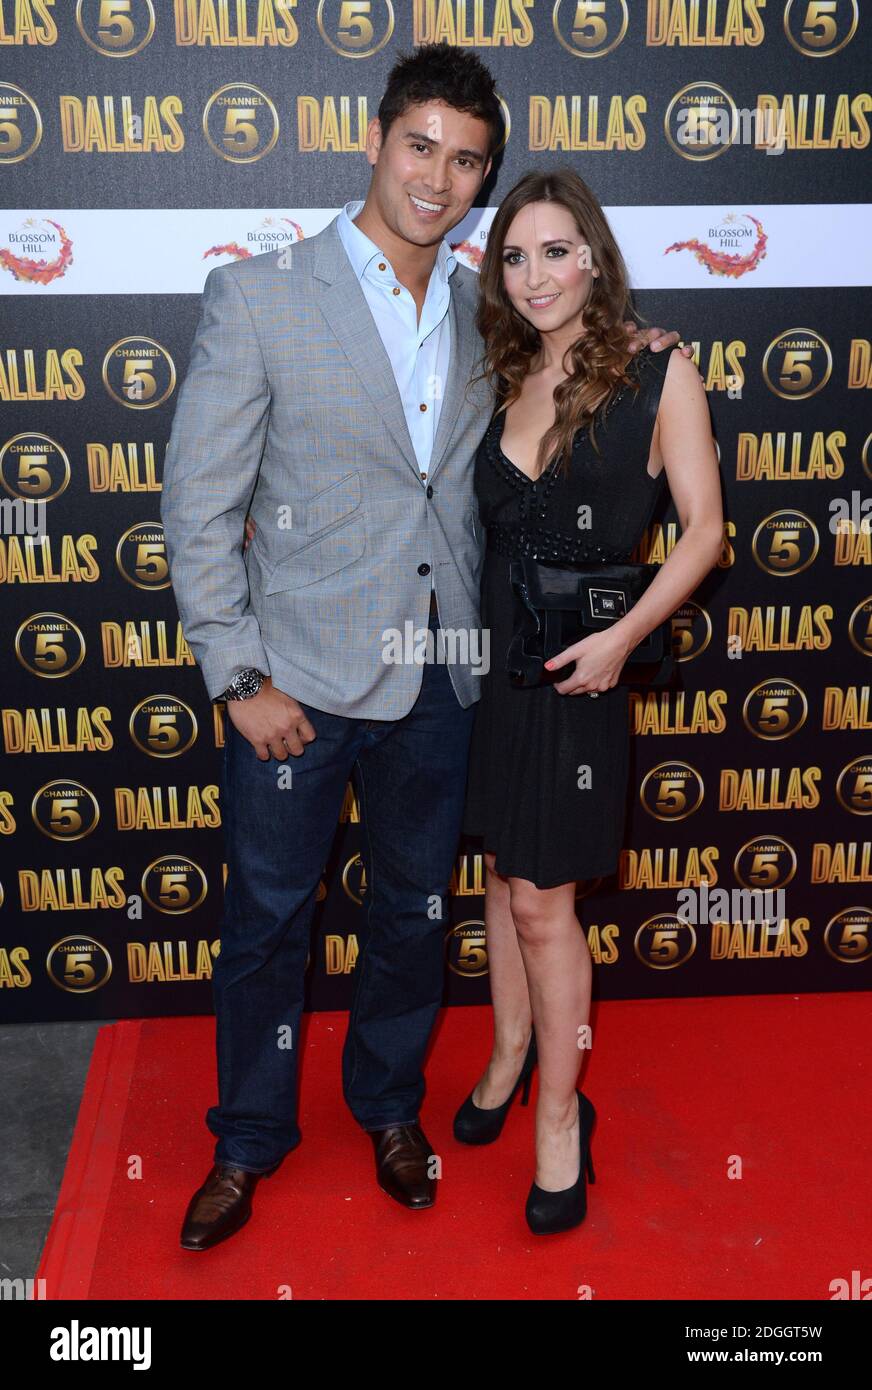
657	338
270	720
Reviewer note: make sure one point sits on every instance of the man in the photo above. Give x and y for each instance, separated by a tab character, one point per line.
310	402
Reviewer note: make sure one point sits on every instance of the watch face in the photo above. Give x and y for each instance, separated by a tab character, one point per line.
245	684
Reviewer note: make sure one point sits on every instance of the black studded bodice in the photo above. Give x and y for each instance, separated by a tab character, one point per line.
599	509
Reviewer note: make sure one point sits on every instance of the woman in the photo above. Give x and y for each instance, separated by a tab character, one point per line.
571	467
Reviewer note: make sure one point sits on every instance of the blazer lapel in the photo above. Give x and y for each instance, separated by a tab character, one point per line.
344	306
460	365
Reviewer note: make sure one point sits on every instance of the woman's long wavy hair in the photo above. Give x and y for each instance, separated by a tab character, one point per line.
598	358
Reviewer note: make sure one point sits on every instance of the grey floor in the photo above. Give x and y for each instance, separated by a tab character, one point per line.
43	1066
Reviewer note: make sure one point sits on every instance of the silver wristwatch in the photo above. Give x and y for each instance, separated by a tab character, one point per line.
244	684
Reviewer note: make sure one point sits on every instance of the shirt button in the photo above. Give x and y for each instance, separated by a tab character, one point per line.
423	569
382	266
423	477
395	290
422	406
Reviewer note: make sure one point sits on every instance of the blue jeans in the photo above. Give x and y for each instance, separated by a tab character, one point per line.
410	777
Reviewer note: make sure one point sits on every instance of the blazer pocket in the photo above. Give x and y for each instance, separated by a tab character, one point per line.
321	557
332	503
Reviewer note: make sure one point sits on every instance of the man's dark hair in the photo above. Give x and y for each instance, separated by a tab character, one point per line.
442	72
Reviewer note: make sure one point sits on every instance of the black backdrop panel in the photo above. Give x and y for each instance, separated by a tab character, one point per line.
753	772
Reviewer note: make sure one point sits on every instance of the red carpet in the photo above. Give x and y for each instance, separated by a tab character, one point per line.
680	1088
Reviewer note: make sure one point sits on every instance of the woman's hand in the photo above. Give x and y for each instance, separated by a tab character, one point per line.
599	660
656	338
250	528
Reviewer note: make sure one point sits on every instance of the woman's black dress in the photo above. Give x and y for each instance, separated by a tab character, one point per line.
523	794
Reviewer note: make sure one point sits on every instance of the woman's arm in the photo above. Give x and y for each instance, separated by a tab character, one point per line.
682	437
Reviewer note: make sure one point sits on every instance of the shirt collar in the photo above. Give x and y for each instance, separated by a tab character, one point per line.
361	250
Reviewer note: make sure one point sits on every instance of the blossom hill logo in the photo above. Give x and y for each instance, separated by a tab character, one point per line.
719	261
271	235
470	255
19	257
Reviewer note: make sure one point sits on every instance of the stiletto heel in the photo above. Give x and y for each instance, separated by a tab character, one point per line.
550	1212
475	1126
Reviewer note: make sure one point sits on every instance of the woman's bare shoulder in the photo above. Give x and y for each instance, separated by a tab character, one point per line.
683	398
680	374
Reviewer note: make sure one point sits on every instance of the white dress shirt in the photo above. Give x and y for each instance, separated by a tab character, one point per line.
419	352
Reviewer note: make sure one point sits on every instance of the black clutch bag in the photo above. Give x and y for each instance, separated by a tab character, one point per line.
556	607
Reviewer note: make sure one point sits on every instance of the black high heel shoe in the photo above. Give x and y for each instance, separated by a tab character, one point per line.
473	1125
550	1212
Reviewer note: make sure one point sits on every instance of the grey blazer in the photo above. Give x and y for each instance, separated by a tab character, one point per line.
290	410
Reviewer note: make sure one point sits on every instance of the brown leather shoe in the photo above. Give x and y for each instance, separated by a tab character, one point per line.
220	1207
402	1158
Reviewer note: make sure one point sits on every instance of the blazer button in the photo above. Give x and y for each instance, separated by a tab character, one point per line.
429	492
423	569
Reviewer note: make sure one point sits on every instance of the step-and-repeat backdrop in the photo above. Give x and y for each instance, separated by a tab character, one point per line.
142	142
